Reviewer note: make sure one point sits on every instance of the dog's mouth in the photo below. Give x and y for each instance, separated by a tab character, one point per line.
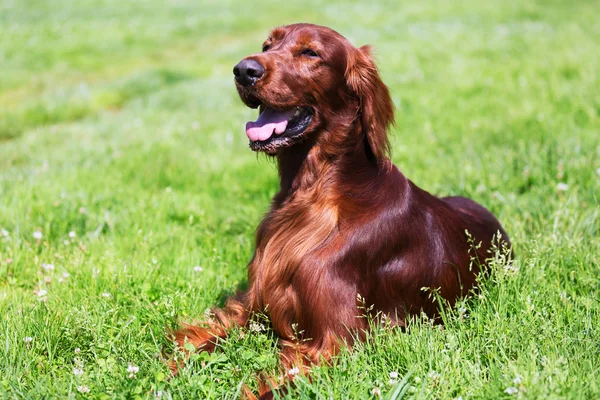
276	128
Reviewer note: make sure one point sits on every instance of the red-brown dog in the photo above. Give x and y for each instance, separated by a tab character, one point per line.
346	223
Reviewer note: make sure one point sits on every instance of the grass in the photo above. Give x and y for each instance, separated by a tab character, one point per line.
119	122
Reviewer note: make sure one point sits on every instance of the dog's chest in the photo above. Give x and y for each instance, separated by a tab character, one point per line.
284	256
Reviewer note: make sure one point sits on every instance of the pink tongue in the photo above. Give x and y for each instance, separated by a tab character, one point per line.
268	121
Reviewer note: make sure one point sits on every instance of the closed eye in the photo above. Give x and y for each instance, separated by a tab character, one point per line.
266	47
309	53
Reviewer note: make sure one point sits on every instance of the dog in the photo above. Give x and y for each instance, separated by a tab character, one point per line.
346	228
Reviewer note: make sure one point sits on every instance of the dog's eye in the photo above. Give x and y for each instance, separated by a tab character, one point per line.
266	47
309	53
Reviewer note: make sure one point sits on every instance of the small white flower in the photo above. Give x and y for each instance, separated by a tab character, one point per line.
511	269
42	292
562	296
66	275
511	390
562	187
376	391
72	234
106	295
77	371
433	375
158	394
517	380
83	389
393	375
133	369
294	371
48	267
66	242
28	339
38	235
256	327
198	268
77	350
3	232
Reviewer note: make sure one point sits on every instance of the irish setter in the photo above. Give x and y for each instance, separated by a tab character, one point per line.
346	227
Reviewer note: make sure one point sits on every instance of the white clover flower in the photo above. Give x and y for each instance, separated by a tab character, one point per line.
562	187
376	391
433	375
83	389
3	232
393	375
42	293
133	369
294	371
563	297
77	371
77	350
66	242
511	390
106	295
28	339
198	268
72	234
38	235
256	327
48	267
517	380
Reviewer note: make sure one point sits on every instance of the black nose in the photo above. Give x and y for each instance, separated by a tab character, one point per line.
247	72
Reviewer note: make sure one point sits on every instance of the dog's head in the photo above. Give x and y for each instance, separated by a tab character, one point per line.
305	78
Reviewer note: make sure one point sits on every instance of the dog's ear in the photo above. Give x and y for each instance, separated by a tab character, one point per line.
376	106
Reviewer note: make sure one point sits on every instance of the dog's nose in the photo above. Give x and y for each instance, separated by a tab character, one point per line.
247	72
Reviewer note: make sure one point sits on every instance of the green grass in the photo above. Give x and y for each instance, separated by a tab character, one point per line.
119	122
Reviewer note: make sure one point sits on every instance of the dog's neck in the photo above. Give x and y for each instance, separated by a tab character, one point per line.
303	165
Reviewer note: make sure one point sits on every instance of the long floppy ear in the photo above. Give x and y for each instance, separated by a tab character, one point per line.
376	106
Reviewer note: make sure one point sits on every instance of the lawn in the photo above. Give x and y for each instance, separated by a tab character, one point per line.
129	197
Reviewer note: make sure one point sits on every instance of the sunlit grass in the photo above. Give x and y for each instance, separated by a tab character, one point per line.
124	166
